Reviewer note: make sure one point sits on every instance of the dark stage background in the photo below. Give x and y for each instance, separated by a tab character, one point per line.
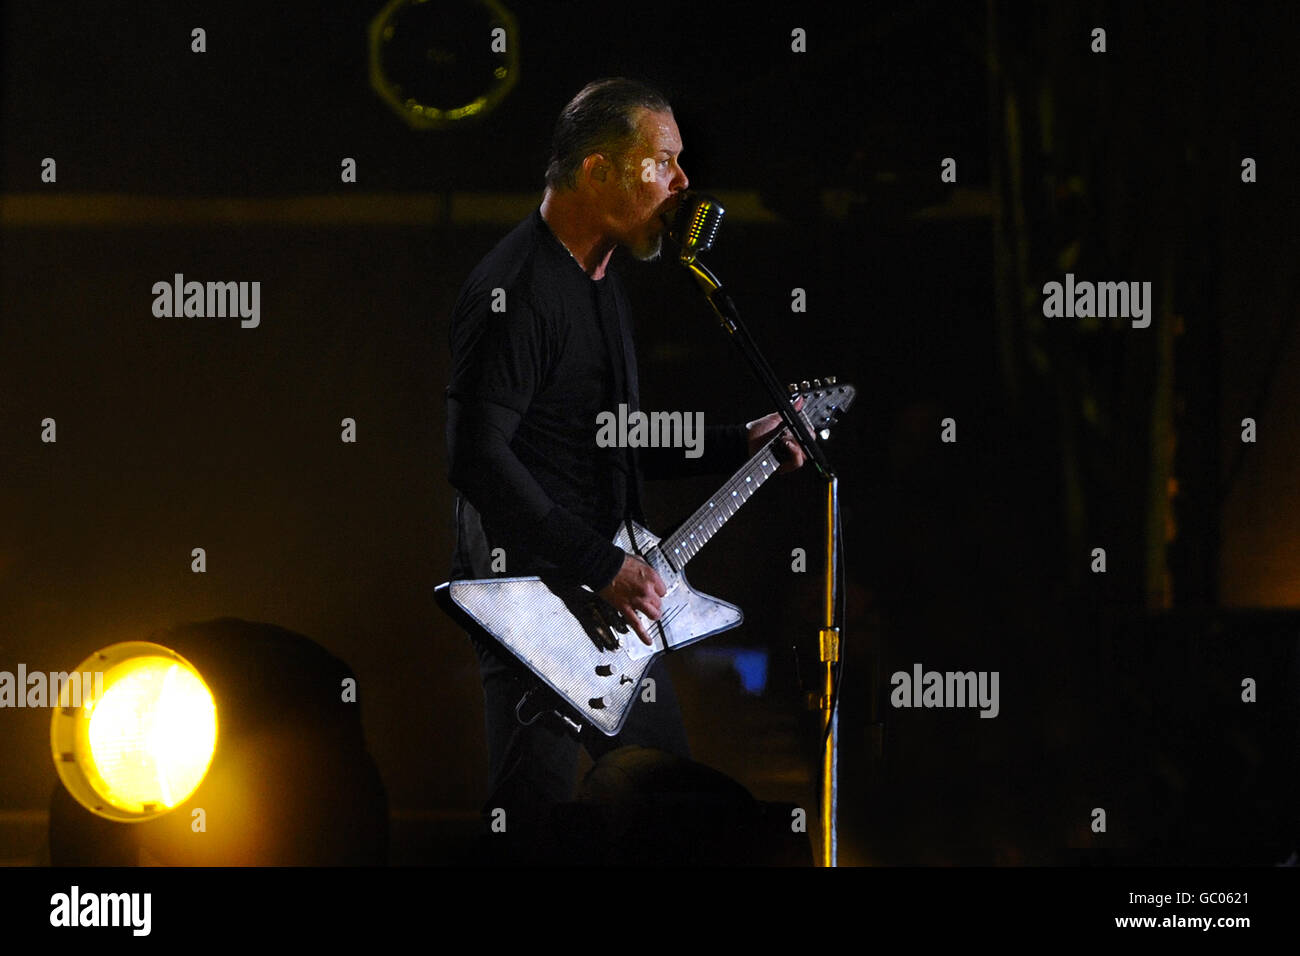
1119	690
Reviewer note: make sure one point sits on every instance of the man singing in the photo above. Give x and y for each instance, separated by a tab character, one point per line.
541	345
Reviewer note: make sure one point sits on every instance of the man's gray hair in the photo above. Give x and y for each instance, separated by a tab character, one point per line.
600	119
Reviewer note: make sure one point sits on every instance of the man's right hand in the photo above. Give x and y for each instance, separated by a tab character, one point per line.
636	587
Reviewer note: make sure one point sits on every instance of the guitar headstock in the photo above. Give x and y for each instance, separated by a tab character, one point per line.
823	401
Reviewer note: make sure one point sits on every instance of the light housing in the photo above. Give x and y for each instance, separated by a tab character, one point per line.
139	744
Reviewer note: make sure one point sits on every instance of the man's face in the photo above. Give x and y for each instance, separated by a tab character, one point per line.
645	195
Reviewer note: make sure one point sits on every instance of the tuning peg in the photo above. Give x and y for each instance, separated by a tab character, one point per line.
793	388
831	380
805	385
817	383
824	434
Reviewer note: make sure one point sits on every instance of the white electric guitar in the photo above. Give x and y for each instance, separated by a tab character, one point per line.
570	637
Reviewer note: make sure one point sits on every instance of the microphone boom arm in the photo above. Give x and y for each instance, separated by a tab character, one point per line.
731	324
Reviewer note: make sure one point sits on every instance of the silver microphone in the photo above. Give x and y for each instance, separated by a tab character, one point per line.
695	226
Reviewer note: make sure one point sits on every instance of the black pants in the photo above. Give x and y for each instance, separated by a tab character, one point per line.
533	767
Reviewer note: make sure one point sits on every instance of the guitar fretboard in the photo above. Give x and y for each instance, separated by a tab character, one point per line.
694	533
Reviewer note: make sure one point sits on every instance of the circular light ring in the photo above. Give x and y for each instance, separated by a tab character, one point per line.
422	115
141	746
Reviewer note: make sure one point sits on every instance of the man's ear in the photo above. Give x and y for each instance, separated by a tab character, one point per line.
596	167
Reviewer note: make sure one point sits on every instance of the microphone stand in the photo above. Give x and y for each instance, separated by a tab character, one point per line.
829	634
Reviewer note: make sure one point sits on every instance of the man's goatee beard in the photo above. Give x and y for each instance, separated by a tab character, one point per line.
652	253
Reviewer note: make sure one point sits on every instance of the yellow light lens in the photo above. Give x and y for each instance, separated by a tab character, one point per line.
152	734
144	745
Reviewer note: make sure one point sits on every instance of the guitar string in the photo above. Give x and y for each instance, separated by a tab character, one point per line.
733	487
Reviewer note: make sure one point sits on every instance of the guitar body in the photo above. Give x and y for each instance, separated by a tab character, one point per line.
527	618
540	625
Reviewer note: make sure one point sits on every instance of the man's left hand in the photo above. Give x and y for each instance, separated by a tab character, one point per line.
788	451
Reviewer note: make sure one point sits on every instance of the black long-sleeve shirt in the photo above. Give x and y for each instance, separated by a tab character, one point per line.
539	350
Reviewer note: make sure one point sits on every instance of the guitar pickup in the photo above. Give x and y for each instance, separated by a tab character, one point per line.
604	670
596	703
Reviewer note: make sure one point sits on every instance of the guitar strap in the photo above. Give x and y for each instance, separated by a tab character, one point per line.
628	464
622	354
636	547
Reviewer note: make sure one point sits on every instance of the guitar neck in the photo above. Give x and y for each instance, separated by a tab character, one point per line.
694	533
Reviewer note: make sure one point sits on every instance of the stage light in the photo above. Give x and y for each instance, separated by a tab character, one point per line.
138	741
440	65
145	778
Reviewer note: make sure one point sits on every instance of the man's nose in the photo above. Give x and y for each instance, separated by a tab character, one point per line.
680	181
